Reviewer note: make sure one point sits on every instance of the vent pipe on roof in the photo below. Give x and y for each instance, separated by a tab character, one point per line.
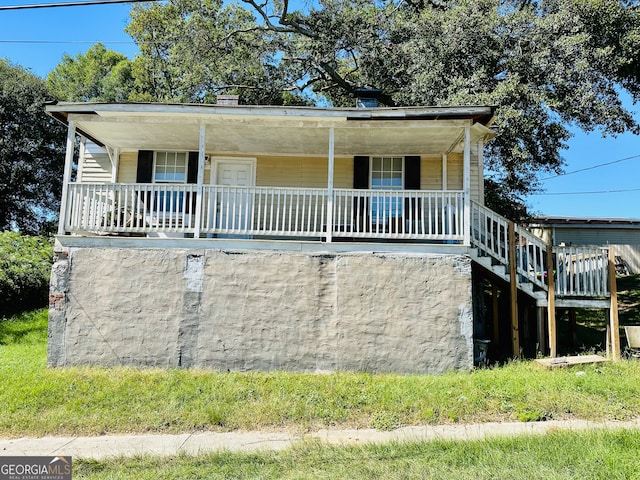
227	100
367	97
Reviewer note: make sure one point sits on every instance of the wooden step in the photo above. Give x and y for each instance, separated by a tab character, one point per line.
490	264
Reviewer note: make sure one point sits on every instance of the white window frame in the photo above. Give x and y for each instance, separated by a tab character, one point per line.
391	210
155	165
371	187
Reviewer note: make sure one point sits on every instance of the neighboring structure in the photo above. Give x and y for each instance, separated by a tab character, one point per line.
623	233
256	237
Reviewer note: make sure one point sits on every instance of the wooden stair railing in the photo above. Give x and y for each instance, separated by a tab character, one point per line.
578	273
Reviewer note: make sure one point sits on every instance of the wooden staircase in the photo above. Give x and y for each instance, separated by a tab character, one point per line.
553	276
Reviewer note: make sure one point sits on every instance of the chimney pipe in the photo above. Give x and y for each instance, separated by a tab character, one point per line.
227	100
367	97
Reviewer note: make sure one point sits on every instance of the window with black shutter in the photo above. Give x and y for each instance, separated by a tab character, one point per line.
385	173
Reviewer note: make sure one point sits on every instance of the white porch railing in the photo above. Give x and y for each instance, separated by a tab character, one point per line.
266	211
303	212
298	212
130	208
407	214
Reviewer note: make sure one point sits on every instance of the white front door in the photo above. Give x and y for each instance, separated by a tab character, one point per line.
234	174
235	204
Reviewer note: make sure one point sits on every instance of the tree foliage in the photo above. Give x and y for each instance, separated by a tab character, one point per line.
25	266
547	65
31	153
192	50
99	75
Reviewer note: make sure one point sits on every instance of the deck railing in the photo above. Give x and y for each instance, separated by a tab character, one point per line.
490	234
531	257
408	214
578	271
132	208
266	211
299	212
581	271
304	212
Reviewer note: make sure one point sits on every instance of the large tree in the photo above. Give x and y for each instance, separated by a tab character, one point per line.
548	65
31	153
99	75
192	50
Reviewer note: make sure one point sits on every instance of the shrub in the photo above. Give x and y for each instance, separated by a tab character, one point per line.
25	267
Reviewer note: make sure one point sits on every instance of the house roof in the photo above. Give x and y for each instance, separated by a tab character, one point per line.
586	222
277	130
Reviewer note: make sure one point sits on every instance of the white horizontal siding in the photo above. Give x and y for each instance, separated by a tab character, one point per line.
477	188
128	167
95	164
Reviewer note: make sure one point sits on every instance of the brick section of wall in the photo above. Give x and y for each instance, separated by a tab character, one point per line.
254	310
58	296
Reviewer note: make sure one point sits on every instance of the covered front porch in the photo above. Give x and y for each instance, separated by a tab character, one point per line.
405	174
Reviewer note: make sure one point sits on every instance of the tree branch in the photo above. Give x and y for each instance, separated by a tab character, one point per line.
286	19
287	23
419	5
336	77
233	33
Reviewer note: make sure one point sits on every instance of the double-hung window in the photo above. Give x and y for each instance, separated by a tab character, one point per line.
387	173
169	167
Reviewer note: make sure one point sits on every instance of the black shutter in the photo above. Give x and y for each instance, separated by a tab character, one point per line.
361	172
411	173
412	182
192	177
192	168
144	173
361	181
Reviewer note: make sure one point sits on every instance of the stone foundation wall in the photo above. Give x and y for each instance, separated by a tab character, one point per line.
261	310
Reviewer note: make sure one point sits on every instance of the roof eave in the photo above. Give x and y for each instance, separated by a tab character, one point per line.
480	114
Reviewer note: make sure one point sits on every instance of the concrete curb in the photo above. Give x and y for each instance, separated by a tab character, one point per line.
205	442
464	432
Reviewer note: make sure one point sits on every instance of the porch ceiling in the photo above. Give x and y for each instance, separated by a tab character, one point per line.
283	132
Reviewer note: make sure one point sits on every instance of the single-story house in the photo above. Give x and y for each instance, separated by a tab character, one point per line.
314	239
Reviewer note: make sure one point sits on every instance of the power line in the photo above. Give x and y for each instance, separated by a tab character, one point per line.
589	168
584	193
69	4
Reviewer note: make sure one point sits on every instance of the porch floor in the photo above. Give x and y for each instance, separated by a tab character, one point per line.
261	244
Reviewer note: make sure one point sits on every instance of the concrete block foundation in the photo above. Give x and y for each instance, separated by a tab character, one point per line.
261	310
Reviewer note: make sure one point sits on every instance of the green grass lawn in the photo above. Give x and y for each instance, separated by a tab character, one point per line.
566	456
36	400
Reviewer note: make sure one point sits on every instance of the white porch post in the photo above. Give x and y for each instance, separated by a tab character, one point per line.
329	232
114	155
444	172
480	153
200	180
68	163
466	183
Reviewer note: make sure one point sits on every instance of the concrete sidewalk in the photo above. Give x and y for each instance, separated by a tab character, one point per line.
204	442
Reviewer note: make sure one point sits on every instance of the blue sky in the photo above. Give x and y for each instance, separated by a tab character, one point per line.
73	30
